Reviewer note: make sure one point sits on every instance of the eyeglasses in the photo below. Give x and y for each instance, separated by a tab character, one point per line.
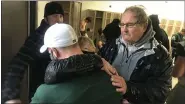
128	25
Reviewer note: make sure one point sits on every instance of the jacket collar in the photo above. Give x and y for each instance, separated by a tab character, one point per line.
60	70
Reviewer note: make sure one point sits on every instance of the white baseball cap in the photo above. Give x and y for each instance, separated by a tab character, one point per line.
59	35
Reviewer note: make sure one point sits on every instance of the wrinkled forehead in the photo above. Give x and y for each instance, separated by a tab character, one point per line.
128	17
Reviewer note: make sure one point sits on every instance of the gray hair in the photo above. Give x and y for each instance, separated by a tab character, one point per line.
140	14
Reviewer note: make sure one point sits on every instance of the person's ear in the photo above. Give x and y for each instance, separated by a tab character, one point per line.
55	52
49	50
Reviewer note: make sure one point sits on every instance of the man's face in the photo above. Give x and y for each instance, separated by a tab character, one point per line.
131	31
54	18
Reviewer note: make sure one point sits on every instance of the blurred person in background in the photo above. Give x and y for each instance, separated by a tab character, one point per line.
83	26
160	35
178	92
112	30
175	40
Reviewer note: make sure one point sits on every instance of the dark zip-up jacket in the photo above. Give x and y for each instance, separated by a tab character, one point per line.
150	80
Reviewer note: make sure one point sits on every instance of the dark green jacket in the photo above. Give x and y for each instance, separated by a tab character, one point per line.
89	88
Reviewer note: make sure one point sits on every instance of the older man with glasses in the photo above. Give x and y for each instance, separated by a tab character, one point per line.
144	64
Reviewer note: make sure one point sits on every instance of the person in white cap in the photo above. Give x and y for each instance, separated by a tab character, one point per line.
68	60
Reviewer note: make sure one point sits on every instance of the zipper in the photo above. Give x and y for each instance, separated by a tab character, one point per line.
133	53
141	49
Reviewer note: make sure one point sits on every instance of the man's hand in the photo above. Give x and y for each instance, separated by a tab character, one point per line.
15	101
120	83
108	68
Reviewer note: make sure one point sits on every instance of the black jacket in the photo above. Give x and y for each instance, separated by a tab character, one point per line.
27	57
74	66
112	31
178	37
146	86
161	36
175	41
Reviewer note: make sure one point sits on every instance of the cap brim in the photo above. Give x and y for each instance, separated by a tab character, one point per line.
43	49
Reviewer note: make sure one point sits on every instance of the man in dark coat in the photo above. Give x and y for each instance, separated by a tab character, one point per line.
144	65
30	58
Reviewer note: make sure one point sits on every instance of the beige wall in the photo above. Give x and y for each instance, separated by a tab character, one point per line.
172	10
162	8
40	11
